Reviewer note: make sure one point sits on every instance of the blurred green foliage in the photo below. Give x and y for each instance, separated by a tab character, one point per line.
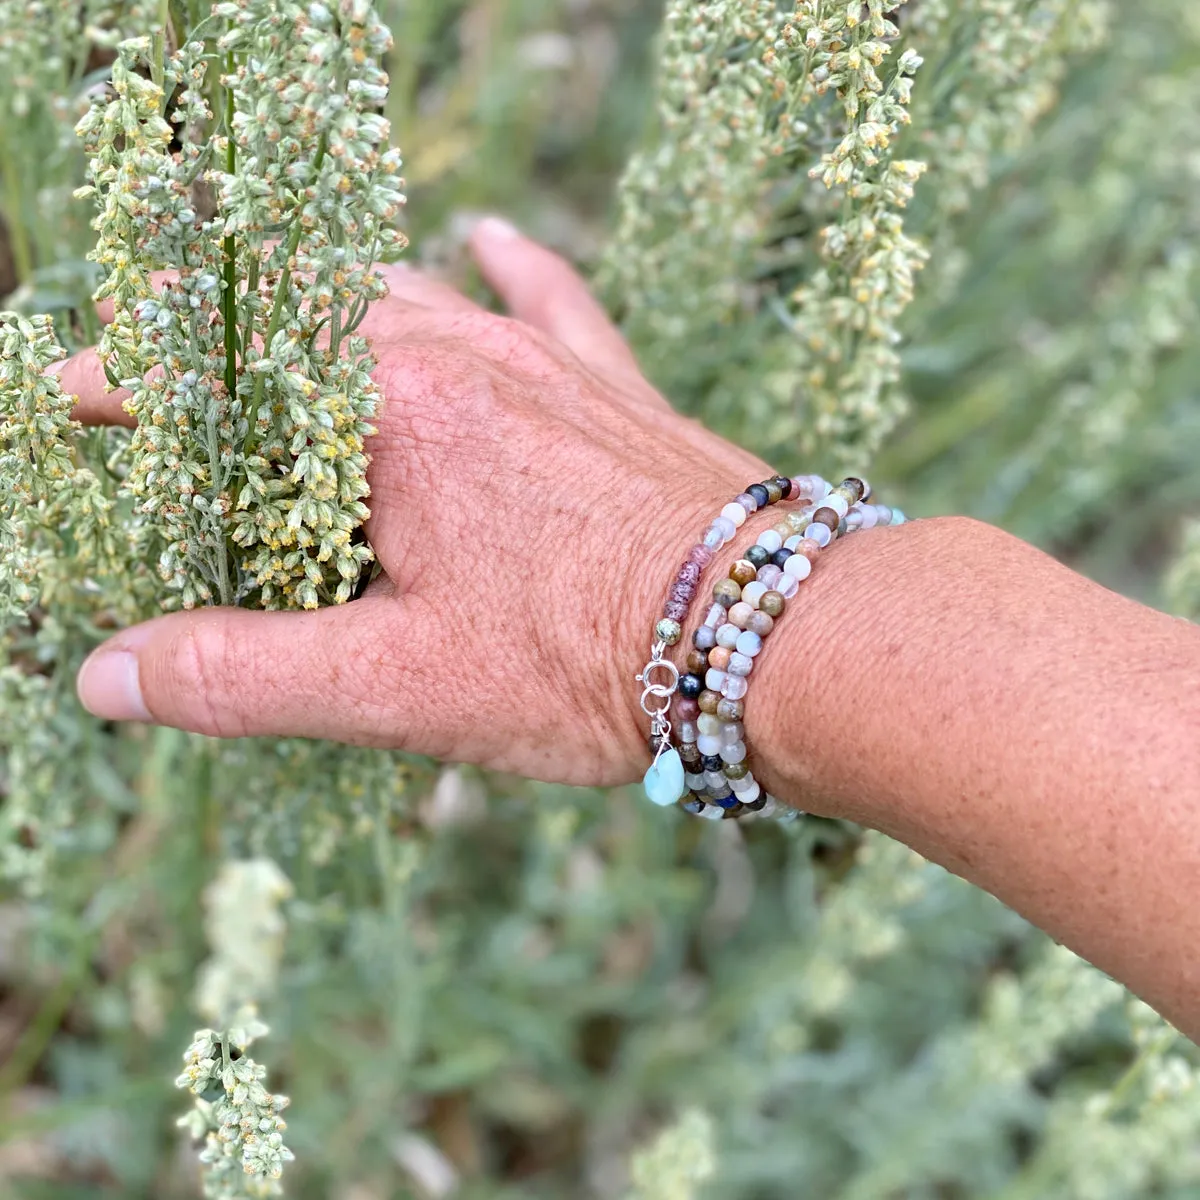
495	990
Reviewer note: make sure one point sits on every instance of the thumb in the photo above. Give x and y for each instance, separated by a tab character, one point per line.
228	672
545	291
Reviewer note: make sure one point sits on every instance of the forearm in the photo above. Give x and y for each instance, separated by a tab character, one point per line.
1011	720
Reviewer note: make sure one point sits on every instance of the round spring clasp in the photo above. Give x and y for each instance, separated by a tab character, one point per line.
662	689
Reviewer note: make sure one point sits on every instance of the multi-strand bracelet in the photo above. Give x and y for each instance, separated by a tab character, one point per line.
708	773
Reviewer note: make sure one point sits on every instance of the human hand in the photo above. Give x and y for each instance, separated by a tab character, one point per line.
532	497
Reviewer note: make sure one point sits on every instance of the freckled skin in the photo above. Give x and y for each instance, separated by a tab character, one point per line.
940	681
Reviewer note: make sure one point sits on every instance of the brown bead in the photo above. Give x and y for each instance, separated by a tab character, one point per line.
856	488
761	623
809	549
697	662
736	770
690	755
774	491
827	516
743	572
731	710
772	603
709	701
727	593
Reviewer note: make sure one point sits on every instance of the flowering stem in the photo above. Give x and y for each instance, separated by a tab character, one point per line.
229	300
281	293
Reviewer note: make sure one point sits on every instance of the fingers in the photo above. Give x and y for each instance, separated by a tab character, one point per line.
82	375
229	672
544	291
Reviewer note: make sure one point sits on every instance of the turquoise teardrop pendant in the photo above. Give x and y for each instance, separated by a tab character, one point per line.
664	782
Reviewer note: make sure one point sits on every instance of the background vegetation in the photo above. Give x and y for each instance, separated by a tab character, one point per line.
492	989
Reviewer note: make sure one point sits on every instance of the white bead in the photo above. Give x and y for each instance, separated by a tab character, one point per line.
714	680
696	782
709	745
820	534
735	687
715	780
689	731
798	567
740	664
742	785
716	616
788	586
770	541
734	754
707	724
728	635
870	515
735	513
750	794
733	732
769	575
837	503
749	644
790	544
713	813
754	591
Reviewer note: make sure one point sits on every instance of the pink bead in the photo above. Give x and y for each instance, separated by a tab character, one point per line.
740	614
685	709
701	555
870	515
769	575
788	586
735	687
716	616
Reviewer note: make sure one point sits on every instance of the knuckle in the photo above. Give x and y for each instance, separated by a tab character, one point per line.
205	677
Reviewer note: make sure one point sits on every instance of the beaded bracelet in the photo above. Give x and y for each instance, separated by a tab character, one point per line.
716	779
665	775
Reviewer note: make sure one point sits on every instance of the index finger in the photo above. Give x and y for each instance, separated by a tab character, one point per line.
82	375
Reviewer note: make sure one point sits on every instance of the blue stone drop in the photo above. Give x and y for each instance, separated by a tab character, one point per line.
664	781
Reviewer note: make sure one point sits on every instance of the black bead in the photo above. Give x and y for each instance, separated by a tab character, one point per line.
785	483
781	556
690	686
758	555
759	804
711	762
760	494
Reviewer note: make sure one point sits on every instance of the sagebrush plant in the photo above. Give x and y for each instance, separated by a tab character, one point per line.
475	987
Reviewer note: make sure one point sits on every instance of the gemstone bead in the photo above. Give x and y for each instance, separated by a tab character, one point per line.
712	539
758	555
747	502
740	664
693	805
837	502
798	522
821	534
784	484
694	780
664	781
727	801
711	762
780	557
727	593
753	593
792	543
809	548
715	680
736	771
827	516
710	744
735	514
772	603
697	661
733	732
859	485
689	731
668	630
788	586
759	494
719	658
783	529
715	781
740	614
701	555
691	686
730	710
709	702
735	687
708	724
898	518
770	541
685	709
676	610
868	513
761	623
749	795
712	812
774	491
885	513
769	575
749	644
733	754
798	567
705	638
727	635
743	572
